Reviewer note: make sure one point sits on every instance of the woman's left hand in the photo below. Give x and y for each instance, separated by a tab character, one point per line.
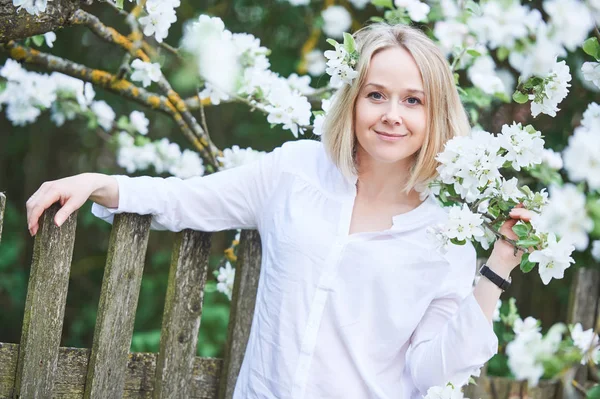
503	258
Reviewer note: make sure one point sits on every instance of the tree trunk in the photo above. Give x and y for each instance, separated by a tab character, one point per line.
16	25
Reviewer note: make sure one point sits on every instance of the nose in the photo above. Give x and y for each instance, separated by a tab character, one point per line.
392	115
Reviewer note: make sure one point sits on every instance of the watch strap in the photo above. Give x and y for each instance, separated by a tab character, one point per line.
494	278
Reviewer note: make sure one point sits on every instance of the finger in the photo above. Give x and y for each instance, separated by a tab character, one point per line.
40	206
521	213
63	213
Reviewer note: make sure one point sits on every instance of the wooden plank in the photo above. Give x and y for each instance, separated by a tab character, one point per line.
583	308
506	388
45	305
118	303
242	309
139	374
2	206
181	318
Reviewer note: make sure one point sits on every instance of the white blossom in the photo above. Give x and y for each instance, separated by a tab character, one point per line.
483	75
450	34
336	21
50	38
570	21
496	316
226	279
104	113
591	118
596	250
33	7
463	224
553	259
501	24
555	90
145	72
417	10
552	159
447	392
188	165
139	122
581	157
524	146
236	156
566	216
161	14
587	342
315	62
591	72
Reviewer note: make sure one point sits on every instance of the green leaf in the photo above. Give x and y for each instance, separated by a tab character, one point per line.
332	42
593	393
528	242
502	53
456	241
519	97
521	231
377	19
383	3
473	7
349	43
38	40
120	4
526	265
473	52
592	47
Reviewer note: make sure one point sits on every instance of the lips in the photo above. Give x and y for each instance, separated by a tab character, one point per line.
390	134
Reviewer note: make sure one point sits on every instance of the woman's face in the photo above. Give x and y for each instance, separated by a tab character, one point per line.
390	117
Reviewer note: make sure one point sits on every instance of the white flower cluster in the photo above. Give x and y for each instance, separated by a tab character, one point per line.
447	392
226	279
469	171
555	89
320	117
529	348
528	352
588	343
145	72
581	155
472	164
336	21
33	7
566	216
27	94
163	155
236	156
417	10
340	66
245	72
591	72
161	14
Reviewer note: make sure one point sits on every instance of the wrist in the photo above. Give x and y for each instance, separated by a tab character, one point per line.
499	267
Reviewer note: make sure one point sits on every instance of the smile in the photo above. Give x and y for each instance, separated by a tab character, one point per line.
390	137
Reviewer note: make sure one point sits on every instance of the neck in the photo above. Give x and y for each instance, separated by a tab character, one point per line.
379	181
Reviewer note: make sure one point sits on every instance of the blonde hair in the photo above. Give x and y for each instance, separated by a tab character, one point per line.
446	116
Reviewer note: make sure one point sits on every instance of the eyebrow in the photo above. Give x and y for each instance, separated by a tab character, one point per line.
383	88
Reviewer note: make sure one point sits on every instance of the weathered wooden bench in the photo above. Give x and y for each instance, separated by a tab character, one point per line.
39	368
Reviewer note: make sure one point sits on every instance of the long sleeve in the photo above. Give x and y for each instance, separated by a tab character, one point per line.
230	199
454	339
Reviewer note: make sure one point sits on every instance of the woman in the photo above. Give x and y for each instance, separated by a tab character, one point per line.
353	300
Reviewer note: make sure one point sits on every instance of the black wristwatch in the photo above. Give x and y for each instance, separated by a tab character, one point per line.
494	278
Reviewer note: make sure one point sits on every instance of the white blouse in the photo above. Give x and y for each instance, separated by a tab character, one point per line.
338	315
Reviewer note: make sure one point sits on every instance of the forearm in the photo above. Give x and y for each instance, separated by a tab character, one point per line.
487	293
105	190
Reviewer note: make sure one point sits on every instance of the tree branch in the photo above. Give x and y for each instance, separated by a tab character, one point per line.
109	82
19	25
112	36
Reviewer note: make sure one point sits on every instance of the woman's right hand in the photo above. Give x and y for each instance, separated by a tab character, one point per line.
71	192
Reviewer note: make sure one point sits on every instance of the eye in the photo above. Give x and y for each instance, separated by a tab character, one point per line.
370	95
414	100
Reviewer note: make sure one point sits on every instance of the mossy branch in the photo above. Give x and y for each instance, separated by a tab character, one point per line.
109	82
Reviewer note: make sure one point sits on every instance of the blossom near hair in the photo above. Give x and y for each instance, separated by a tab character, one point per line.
446	116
